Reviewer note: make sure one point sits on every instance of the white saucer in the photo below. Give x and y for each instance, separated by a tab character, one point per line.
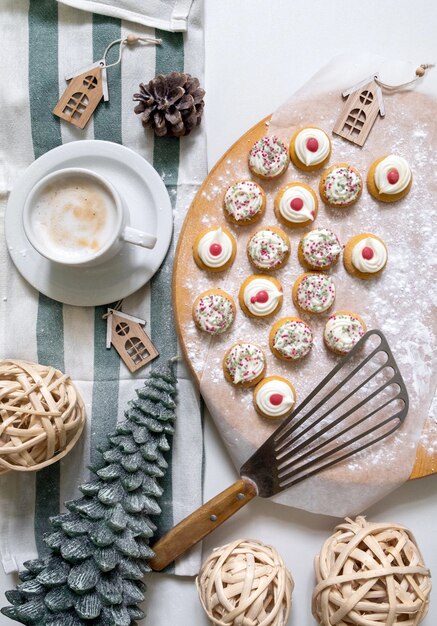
149	207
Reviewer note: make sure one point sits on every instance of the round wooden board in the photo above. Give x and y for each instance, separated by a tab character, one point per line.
426	462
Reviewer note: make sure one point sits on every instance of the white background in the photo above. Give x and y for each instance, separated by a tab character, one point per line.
257	54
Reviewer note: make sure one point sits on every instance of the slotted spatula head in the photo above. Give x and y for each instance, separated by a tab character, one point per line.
362	401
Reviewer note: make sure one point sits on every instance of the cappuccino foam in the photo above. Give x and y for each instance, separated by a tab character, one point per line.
74	218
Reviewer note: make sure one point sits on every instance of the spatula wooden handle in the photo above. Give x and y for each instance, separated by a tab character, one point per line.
202	522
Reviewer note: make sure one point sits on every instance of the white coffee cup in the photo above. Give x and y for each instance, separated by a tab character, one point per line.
76	217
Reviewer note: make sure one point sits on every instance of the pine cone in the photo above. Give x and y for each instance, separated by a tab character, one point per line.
172	104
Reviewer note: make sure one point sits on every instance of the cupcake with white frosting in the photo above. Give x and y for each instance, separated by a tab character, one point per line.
214	311
274	397
244	202
340	185
342	331
365	256
296	205
268	249
389	178
268	157
260	296
290	339
310	148
319	249
244	364
313	292
214	249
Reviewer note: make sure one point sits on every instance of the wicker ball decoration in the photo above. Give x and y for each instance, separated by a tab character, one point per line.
245	583
370	574
41	415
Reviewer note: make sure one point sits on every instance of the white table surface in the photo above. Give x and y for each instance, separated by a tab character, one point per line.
257	54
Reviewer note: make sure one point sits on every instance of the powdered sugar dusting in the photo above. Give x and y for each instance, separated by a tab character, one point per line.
399	302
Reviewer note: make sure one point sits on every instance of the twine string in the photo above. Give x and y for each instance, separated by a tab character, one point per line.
420	72
129	40
117	307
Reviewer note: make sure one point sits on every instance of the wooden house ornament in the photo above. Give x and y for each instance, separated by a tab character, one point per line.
82	95
363	105
127	335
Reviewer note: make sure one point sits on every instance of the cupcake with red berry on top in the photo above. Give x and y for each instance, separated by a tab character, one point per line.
274	397
260	296
365	256
389	178
214	250
296	205
310	148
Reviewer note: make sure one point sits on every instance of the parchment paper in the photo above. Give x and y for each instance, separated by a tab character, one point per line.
399	302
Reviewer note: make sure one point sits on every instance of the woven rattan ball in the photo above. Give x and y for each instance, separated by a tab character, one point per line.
41	415
245	583
370	574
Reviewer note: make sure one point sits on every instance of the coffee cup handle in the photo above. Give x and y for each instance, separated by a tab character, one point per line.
138	237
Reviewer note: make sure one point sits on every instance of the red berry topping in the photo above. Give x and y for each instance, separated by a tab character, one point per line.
367	253
215	249
276	399
312	144
261	296
393	176
296	204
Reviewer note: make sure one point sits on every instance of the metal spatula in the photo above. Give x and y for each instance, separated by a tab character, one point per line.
362	401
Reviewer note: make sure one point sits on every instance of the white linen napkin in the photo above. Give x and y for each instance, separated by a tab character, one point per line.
171	15
56	40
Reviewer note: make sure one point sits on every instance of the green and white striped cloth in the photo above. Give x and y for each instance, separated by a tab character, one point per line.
43	41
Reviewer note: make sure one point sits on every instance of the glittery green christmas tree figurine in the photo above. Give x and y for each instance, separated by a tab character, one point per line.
99	548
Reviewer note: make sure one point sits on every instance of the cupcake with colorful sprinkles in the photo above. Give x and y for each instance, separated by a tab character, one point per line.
268	157
214	250
342	331
313	292
274	397
244	202
268	249
319	249
244	364
296	205
340	185
214	311
290	339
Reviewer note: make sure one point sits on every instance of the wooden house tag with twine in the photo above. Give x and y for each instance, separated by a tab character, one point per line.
82	95
363	105
89	85
127	335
